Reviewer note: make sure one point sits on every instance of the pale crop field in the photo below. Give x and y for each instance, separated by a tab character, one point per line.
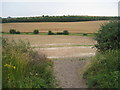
73	27
53	40
58	46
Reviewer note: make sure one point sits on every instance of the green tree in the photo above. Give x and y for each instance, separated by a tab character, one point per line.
36	31
18	32
108	37
66	32
51	33
12	31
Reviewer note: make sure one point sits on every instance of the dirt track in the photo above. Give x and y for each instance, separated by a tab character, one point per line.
68	66
69	71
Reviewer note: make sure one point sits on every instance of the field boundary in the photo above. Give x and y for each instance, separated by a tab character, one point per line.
31	33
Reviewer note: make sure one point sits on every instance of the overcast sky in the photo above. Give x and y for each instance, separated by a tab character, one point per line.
21	8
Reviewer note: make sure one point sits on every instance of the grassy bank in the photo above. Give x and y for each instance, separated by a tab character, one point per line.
104	70
24	68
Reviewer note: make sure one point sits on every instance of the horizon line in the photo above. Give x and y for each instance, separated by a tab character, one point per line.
57	15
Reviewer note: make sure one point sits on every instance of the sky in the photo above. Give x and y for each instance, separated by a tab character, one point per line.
24	8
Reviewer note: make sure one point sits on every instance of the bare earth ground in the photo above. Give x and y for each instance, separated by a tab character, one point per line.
69	72
68	66
63	52
73	27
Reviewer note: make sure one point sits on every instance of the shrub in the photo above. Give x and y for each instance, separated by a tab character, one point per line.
60	33
24	68
18	32
85	34
108	37
104	70
51	33
12	31
66	32
36	31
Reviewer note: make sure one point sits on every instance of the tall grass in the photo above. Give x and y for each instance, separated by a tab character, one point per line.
24	68
104	70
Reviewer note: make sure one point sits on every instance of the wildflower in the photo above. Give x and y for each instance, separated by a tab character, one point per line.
36	74
14	67
10	66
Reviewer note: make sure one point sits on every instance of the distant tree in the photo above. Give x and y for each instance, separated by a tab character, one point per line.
43	16
46	16
12	31
85	34
66	32
36	31
51	33
9	17
60	33
18	32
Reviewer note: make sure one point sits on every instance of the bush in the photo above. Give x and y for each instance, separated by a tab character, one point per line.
36	31
85	34
60	33
18	32
66	32
104	70
51	33
12	31
24	68
108	37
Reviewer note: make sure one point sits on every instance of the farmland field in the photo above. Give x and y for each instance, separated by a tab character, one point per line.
73	27
66	51
53	39
59	46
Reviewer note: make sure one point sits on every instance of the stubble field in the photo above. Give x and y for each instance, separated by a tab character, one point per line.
73	27
59	46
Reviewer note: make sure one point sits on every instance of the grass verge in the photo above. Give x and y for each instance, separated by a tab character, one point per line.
30	33
24	68
104	70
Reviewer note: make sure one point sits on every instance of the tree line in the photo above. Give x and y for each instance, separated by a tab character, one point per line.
57	19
